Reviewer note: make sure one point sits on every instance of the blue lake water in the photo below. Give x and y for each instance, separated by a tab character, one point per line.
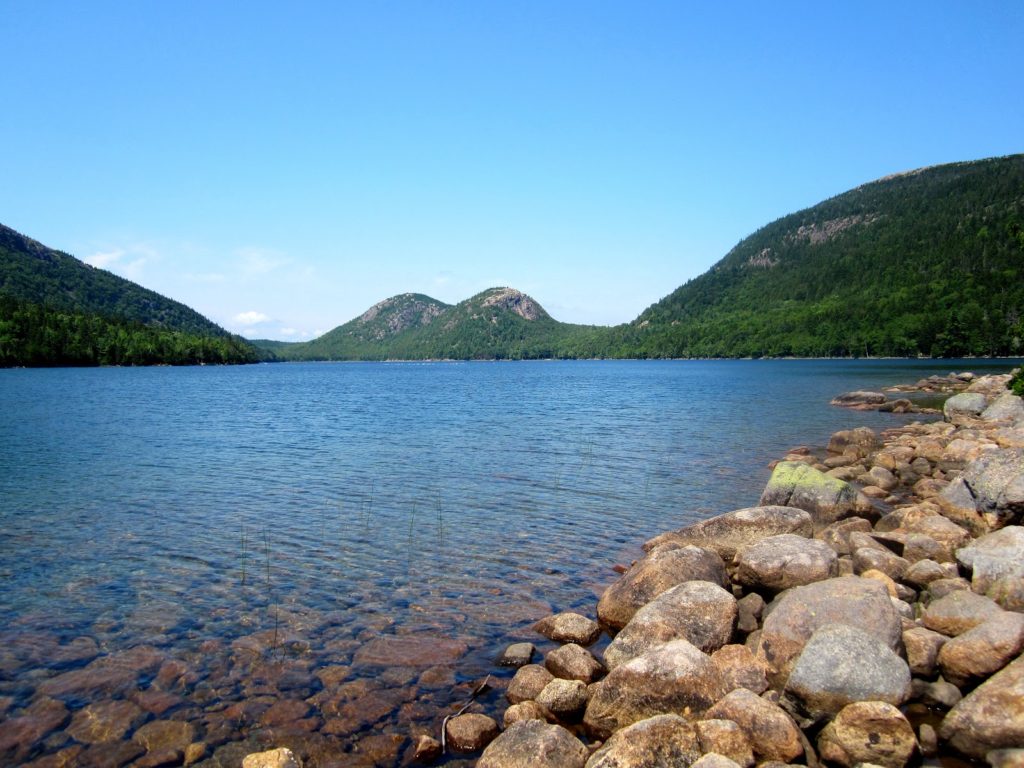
262	524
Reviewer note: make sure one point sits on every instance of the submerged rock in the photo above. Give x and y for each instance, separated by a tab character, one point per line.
274	758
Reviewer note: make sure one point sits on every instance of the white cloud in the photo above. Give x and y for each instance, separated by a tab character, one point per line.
104	259
250	318
255	262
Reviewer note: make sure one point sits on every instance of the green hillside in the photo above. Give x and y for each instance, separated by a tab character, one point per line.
929	262
500	323
57	310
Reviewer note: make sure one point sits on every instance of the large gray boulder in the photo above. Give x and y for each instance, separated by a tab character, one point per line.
841	664
662	740
964	404
994	556
698	611
771	731
727	533
797	613
989	494
780	562
868	732
651	575
991	717
674	677
1008	407
534	744
827	499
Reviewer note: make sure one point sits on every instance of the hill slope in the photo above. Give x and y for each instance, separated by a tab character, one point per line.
499	323
929	262
57	310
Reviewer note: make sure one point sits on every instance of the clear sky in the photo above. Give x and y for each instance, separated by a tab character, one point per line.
282	166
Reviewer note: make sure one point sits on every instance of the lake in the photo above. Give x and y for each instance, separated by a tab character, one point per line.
331	555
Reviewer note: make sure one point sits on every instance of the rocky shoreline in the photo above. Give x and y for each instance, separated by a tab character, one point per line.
869	610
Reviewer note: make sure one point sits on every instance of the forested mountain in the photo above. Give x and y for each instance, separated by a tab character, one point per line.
500	323
57	310
929	262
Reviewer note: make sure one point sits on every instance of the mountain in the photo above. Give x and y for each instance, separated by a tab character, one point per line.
929	262
57	310
499	323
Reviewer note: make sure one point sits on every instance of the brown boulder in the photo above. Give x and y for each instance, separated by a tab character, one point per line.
772	733
662	740
572	662
698	611
528	682
958	611
569	627
470	732
533	744
868	732
650	576
726	534
991	717
674	677
985	649
780	562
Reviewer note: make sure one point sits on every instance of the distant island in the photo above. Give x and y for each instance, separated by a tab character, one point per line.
924	263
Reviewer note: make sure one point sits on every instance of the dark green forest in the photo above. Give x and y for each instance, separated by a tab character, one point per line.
926	263
56	310
37	336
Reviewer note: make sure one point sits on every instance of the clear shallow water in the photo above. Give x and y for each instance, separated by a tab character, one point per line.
260	524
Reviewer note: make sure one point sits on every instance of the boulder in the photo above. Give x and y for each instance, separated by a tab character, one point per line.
565	699
924	572
970	404
994	556
872	559
859	400
573	662
923	646
780	562
569	627
19	735
727	533
517	655
526	710
772	733
868	732
274	758
827	499
859	442
661	740
715	760
528	682
989	494
470	732
960	610
533	744
991	717
725	737
799	612
741	669
985	649
837	535
651	575
698	611
428	749
104	721
1008	407
674	677
1008	592
841	664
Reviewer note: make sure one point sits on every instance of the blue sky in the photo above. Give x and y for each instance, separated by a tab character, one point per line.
282	166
